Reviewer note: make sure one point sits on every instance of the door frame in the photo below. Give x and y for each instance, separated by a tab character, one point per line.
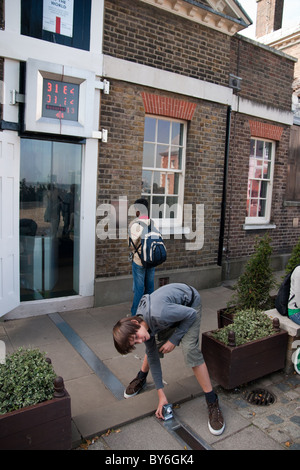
85	299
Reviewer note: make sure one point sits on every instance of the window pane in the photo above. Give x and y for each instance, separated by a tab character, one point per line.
176	158
158	207
149	132
259	148
173	183
146	181
177	133
163	132
172	207
258	169
262	208
263	189
162	156
267	170
253	208
148	155
268	149
159	182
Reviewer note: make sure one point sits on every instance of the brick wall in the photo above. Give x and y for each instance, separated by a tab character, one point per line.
237	241
120	172
140	33
258	68
153	37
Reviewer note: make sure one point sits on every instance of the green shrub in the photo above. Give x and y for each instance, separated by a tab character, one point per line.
26	379
253	287
248	325
294	259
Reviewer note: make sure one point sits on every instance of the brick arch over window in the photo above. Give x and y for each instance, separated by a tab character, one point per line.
266	131
170	107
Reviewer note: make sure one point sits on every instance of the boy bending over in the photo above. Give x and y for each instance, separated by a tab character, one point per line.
165	318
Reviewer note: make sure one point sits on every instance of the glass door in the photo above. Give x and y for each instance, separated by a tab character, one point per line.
50	189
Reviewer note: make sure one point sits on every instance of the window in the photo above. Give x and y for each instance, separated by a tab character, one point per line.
50	195
163	168
260	179
77	13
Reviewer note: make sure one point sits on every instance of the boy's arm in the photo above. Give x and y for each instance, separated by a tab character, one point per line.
185	316
154	362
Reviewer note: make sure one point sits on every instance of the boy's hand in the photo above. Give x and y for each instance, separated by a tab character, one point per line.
162	400
167	347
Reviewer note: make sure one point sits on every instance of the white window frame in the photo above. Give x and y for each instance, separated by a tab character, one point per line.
252	221
169	224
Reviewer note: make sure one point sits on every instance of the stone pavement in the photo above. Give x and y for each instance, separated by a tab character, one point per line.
80	346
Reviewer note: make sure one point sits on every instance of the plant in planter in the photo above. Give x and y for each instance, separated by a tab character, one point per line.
249	348
294	259
252	290
26	379
248	325
35	409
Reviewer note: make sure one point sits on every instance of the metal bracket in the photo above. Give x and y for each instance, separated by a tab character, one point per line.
101	135
235	82
16	97
103	86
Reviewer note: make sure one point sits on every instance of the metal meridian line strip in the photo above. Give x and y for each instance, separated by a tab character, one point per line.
100	369
185	435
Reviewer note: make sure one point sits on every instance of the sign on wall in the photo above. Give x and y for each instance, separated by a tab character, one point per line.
60	100
58	16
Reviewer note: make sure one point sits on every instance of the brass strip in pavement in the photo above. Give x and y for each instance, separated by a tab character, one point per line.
100	369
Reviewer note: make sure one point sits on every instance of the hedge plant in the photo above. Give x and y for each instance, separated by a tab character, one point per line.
253	287
26	378
294	259
248	325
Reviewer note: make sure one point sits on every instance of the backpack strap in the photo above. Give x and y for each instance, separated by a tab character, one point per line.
131	241
135	248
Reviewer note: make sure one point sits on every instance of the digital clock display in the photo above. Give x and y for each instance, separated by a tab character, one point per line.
60	100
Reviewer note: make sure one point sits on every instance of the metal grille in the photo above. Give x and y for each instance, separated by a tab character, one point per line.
260	397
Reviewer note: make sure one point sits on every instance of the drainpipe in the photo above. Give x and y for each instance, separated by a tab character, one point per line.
223	207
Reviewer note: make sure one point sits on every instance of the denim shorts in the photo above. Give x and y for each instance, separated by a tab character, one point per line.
190	341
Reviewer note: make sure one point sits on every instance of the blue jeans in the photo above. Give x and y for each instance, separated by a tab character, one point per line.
295	317
143	283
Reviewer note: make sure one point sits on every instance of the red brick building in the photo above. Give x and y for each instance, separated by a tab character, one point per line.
224	123
174	105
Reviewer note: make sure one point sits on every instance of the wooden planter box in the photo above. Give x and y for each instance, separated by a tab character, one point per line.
45	426
225	316
234	366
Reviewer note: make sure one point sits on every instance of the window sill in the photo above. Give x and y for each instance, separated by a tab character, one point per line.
259	226
174	230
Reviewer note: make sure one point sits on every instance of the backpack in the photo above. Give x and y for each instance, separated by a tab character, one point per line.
153	250
282	299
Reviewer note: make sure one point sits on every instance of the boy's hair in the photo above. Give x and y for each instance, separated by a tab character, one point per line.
142	206
124	331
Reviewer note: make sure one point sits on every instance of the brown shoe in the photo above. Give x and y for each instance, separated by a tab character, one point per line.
135	387
216	423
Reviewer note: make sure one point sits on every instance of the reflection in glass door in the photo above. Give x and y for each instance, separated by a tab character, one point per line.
50	188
